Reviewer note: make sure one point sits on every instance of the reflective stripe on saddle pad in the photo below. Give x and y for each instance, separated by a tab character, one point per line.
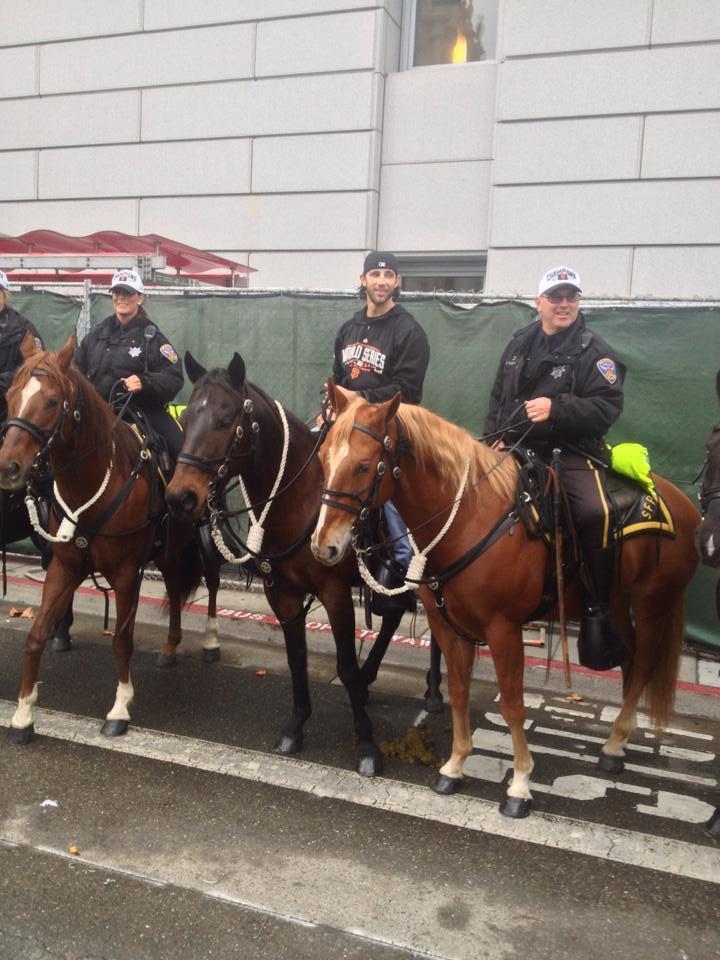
636	510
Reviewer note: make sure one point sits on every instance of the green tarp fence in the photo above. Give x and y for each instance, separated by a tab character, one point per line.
672	355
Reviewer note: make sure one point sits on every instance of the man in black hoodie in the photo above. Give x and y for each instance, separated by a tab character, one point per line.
380	351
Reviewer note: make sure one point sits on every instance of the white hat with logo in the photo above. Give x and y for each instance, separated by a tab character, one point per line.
127	280
4	283
559	277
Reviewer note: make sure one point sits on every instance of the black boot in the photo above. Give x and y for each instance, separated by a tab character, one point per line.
600	646
391	574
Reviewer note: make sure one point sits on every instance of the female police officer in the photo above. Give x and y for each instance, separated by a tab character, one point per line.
127	347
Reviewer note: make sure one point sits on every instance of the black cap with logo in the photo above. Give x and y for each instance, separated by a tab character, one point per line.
380	260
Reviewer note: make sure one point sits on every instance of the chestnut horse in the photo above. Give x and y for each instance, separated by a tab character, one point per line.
233	428
114	516
453	492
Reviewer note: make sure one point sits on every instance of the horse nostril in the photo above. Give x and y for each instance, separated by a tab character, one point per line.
13	470
188	500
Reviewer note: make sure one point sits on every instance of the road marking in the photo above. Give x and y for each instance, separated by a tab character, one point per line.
471	813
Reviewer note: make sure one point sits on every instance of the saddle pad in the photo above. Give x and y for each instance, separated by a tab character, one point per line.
636	510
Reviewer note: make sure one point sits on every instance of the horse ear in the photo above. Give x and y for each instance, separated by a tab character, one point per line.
193	368
338	397
236	371
66	353
28	346
392	406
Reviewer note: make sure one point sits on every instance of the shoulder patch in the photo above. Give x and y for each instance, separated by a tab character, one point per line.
607	368
168	351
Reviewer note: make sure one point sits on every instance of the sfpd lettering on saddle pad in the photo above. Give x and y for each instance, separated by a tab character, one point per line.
637	506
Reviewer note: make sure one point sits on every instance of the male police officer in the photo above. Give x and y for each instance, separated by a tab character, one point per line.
562	382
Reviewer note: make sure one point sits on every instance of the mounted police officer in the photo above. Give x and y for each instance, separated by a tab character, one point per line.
561	386
127	351
13	327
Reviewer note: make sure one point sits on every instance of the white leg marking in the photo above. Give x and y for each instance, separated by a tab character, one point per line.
211	641
23	716
123	699
520	785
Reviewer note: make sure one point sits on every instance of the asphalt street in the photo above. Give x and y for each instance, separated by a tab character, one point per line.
189	837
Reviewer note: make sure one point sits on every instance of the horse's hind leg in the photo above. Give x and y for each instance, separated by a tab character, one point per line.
60	584
61	641
612	753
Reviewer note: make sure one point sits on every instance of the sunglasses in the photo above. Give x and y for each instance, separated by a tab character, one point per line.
571	296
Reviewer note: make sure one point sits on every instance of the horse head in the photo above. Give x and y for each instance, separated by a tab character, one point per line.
358	475
216	429
38	403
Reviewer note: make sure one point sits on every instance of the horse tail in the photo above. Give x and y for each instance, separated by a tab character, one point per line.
191	570
669	640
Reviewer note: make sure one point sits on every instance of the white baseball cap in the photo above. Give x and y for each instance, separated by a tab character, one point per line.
129	279
559	277
4	283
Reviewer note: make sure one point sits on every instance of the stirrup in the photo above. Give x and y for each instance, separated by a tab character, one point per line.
600	646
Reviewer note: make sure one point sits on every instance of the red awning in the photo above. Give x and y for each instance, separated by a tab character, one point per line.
184	260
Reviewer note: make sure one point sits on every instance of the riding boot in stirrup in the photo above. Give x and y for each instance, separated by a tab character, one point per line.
600	646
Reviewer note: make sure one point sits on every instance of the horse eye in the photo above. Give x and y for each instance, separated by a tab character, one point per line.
53	402
361	468
225	424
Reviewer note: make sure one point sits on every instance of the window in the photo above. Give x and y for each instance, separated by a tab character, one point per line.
449	273
449	31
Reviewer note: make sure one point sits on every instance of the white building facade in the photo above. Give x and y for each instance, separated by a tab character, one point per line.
294	135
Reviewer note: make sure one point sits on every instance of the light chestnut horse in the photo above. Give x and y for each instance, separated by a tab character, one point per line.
428	467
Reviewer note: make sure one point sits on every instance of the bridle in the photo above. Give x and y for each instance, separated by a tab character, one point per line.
401	448
47	438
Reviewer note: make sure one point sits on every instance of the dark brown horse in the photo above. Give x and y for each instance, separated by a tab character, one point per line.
232	428
430	468
114	517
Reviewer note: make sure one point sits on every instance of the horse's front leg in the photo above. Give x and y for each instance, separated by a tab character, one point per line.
211	642
60	584
337	600
506	646
167	656
459	658
126	596
390	623
289	611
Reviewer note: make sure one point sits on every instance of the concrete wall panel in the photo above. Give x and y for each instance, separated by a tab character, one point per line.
75	217
18	72
565	150
630	81
204	166
693	20
440	113
247	108
17	175
338	161
605	272
66	121
612	214
557	26
673	272
261	222
163	14
38	20
434	206
683	145
326	270
183	56
316	44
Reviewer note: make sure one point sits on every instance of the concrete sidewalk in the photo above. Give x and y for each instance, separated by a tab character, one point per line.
251	637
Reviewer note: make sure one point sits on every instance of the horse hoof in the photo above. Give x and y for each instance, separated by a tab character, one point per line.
115	728
434	704
712	827
60	644
21	735
610	764
370	763
287	745
447	786
165	660
211	656
515	807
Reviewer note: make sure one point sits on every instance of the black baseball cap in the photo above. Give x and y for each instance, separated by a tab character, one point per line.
380	259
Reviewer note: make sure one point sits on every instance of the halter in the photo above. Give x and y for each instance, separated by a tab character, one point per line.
46	438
